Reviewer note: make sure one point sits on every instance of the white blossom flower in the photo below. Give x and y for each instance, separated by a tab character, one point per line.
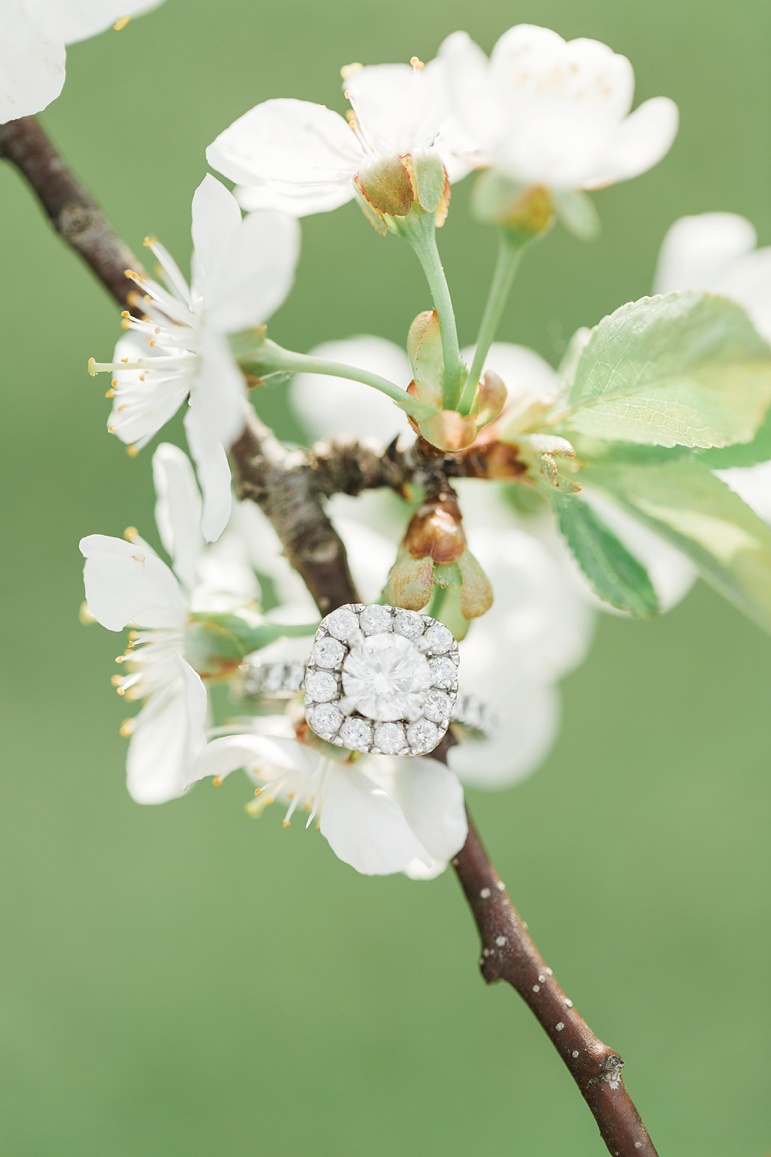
544	111
34	35
304	158
126	582
380	814
718	252
242	270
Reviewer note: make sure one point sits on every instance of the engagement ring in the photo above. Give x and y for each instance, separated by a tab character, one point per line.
378	679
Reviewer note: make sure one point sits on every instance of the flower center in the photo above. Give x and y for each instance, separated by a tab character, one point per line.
385	677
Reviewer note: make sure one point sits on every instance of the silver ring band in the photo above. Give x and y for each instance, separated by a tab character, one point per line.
277	680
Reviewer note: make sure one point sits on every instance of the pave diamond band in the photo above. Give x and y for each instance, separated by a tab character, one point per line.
283	680
378	679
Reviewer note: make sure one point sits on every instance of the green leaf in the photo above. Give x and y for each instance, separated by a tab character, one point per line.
687	505
686	369
614	574
743	454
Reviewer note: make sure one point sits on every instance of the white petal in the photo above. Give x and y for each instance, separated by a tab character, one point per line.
216	220
213	469
330	407
365	827
225	577
431	799
146	399
540	621
748	281
218	392
534	67
643	139
528	723
400	109
292	143
478	111
370	553
232	752
126	584
168	735
698	251
31	62
256	272
73	20
753	485
178	510
294	199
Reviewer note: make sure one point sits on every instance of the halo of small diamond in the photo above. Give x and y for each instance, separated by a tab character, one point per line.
341	718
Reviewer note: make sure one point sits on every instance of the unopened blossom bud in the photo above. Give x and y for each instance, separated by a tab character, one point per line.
410	582
436	530
489	399
424	349
476	593
390	188
435	553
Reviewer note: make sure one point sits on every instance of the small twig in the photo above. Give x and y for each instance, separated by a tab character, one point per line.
350	466
289	487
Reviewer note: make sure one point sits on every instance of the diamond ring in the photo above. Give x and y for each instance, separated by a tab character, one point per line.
378	679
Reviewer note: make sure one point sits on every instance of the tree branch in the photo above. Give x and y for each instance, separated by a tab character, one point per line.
281	482
289	487
509	954
71	209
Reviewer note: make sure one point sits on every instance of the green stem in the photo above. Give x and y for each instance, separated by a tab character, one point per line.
512	246
419	228
272	358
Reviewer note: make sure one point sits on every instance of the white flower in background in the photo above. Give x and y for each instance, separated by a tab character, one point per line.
242	270
544	111
380	814
304	158
34	35
718	252
126	582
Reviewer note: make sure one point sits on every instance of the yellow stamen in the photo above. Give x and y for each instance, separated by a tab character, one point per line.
119	25
132	451
416	63
91	364
130	533
349	70
217	781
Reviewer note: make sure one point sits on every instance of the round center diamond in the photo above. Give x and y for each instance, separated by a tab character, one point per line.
385	677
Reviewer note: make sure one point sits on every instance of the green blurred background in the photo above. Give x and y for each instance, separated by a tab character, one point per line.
183	981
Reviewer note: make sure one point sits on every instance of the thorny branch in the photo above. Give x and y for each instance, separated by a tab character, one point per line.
290	486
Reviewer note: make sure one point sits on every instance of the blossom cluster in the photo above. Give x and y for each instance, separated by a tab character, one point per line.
538	123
